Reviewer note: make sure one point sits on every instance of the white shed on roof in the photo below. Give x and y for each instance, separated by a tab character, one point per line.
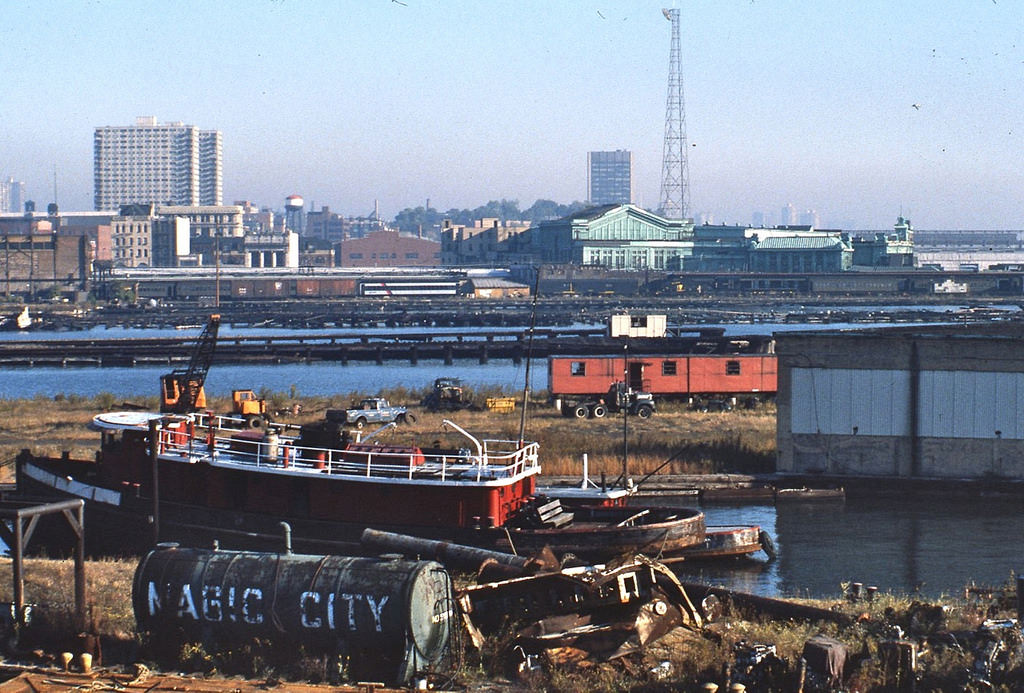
637	326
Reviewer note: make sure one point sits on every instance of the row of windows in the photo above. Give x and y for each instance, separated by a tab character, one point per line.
127	253
667	368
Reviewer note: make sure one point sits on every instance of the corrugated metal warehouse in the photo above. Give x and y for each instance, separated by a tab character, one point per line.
936	402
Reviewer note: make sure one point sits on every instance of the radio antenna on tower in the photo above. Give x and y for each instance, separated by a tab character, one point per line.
675	174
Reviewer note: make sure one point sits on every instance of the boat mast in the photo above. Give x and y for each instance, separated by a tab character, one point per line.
623	396
529	356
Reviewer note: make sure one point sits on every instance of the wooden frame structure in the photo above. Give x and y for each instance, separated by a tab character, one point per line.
19	537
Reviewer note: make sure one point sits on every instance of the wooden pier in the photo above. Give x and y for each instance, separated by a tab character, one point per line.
412	347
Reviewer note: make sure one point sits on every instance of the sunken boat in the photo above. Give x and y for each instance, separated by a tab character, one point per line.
202	479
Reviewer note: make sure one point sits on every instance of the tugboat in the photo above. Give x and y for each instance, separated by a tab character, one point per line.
197	478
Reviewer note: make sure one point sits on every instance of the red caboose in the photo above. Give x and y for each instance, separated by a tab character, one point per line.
667	375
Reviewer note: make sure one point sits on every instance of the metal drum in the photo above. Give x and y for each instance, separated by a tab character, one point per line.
392	618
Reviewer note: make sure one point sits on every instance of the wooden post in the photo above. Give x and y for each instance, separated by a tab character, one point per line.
80	595
19	571
154	456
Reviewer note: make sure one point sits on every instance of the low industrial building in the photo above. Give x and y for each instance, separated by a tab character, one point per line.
388	249
915	403
488	242
43	261
614	237
493	287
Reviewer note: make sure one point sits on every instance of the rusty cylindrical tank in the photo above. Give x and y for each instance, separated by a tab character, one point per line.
391	617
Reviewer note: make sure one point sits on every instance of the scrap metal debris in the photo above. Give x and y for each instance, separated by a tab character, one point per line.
606	612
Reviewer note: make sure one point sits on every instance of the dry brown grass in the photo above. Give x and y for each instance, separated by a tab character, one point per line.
49	585
47	426
737	441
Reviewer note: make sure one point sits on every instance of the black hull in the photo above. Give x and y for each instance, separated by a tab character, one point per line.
128	528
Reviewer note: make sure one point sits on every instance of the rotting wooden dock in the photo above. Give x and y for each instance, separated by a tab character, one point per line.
341	347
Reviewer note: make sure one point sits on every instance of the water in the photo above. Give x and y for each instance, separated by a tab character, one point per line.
927	546
309	379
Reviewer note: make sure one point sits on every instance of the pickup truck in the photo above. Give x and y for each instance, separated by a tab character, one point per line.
371	410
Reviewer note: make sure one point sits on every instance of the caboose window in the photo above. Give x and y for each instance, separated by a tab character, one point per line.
732	367
578	368
668	367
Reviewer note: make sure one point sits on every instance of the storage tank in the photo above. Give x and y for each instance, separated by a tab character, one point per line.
392	617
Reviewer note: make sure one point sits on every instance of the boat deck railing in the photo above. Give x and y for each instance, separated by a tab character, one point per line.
189	440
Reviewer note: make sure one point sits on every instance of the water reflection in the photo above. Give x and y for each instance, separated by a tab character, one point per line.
901	545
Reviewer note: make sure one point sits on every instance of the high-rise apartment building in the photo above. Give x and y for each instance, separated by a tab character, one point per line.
11	194
610	177
172	163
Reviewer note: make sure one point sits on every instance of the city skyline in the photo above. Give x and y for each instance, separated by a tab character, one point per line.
862	112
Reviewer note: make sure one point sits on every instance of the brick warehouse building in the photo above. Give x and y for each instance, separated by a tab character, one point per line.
388	249
34	262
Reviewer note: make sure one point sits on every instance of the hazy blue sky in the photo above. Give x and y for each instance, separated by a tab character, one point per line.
858	109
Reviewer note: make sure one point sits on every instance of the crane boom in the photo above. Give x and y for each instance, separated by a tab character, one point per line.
182	389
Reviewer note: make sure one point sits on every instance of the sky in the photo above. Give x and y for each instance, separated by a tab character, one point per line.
862	111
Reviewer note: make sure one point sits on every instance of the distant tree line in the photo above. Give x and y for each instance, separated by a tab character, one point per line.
413	218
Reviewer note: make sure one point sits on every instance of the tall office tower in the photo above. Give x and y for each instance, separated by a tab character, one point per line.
12	192
761	220
675	172
787	215
809	217
169	164
610	177
211	179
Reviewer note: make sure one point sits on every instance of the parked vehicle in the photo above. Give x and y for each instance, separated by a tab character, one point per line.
618	398
251	407
371	410
448	395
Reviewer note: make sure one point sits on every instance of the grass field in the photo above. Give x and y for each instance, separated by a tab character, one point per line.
697	442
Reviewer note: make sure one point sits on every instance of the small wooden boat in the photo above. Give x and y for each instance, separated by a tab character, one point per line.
803	494
731	541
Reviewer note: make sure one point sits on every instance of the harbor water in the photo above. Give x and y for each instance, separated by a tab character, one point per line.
930	547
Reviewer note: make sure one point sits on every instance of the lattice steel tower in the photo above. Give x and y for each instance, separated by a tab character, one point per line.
675	174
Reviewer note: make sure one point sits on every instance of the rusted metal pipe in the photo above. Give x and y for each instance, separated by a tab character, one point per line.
767	605
451	555
287	537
